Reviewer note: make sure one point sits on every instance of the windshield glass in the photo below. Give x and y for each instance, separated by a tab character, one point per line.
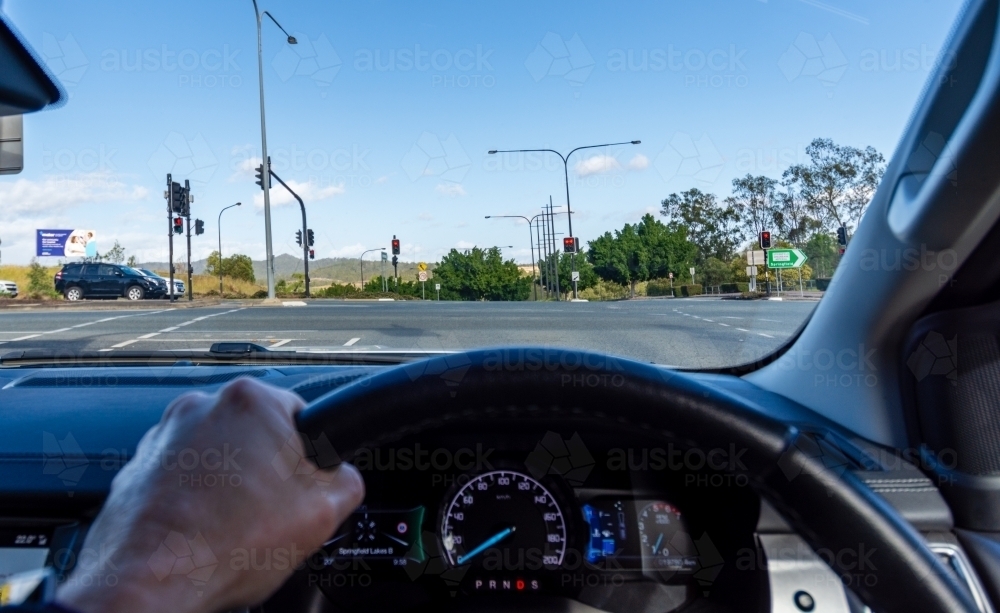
671	182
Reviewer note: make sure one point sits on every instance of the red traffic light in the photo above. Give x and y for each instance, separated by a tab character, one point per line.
312	254
571	244
765	240
178	225
395	246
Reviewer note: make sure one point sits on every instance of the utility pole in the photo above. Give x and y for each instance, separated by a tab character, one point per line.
538	242
187	214
306	243
170	230
555	262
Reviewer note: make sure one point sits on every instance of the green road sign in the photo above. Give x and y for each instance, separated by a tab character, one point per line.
785	258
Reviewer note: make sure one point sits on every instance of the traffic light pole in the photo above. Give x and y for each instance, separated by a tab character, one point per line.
552	239
170	231
187	211
305	229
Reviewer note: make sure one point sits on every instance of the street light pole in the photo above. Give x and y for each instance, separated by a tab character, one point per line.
363	264
530	245
220	244
265	160
565	161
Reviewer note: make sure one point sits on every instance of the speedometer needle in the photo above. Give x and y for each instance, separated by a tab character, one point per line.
493	540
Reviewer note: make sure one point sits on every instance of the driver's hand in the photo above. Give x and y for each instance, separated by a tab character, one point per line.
215	510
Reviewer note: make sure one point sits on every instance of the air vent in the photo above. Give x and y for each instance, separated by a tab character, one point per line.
110	380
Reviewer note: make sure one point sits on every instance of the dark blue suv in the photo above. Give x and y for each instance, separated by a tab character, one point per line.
79	281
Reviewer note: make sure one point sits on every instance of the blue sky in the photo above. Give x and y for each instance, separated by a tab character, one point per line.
382	115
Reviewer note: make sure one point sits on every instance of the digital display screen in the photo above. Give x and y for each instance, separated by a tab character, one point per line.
373	534
22	550
633	534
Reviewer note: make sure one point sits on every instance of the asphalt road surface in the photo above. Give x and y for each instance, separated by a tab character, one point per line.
698	332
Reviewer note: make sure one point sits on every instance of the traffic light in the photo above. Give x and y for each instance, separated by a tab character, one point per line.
312	237
298	237
395	260
841	235
395	246
177	198
199	226
571	244
178	225
312	253
259	173
765	240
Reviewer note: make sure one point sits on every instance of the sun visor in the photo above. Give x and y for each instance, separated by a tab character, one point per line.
25	85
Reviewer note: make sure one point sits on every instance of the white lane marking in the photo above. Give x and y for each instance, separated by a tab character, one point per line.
281	342
742	330
767	335
352	341
710	321
89	323
722	324
24	338
774	321
171	329
728	317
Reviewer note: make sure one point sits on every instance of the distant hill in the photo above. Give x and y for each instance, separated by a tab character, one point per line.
339	270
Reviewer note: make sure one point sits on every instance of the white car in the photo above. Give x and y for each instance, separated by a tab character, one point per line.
8	288
178	284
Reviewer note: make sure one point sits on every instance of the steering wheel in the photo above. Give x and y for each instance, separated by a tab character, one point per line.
833	510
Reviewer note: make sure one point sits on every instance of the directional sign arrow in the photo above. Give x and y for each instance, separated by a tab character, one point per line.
785	258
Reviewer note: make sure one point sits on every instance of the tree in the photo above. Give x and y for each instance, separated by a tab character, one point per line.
481	274
236	266
711	226
640	252
821	250
38	278
715	272
588	278
792	218
837	183
753	200
132	262
115	255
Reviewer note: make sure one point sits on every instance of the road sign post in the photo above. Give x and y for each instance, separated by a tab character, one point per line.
422	277
437	288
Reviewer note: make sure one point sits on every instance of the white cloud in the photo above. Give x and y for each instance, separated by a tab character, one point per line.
639	162
450	189
464	245
308	191
598	164
28	198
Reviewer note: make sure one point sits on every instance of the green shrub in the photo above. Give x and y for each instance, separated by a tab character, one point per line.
604	290
659	287
691	290
734	288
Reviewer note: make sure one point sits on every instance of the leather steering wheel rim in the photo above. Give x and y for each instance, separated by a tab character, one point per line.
831	510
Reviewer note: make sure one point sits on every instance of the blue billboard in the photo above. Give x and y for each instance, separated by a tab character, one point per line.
66	243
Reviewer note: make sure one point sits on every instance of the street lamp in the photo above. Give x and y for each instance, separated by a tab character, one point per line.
565	160
530	245
220	244
265	160
363	265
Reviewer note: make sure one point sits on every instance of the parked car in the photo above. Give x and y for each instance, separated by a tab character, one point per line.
77	281
8	289
178	284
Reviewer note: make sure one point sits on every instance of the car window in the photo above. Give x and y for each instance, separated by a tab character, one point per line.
672	182
106	271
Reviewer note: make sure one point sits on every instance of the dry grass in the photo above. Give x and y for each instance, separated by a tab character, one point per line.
204	285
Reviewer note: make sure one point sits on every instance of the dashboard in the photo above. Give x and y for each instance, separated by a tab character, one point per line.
468	515
551	516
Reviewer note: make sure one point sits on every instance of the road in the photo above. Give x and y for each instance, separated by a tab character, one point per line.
697	332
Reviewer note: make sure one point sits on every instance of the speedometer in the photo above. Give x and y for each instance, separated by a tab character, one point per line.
503	518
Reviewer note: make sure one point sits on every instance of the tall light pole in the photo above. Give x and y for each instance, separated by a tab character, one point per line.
530	245
265	160
363	264
220	244
565	161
